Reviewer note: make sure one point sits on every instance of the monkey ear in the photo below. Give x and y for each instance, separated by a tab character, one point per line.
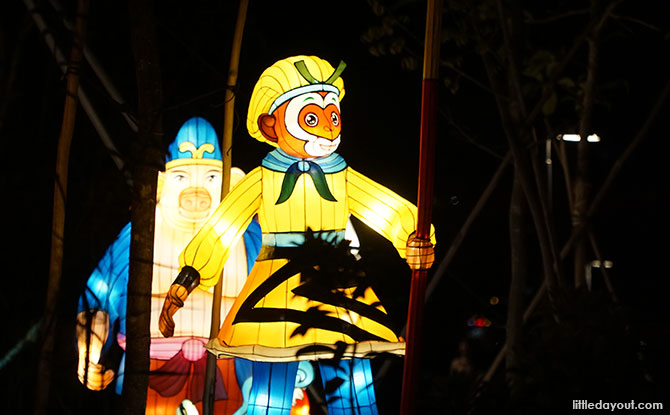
266	124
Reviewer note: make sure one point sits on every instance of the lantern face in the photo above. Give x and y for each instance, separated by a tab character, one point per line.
313	118
189	194
283	81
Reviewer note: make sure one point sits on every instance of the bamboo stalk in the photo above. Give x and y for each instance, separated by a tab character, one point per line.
58	218
226	145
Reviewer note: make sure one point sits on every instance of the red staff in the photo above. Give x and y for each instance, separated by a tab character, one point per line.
424	203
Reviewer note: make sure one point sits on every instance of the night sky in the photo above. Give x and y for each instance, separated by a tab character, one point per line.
380	112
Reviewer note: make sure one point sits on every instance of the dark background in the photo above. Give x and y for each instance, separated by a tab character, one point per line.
381	112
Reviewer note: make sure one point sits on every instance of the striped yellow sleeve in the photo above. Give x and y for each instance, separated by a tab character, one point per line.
383	210
210	247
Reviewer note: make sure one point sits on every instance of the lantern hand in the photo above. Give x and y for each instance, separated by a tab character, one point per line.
174	300
186	281
93	375
420	253
92	332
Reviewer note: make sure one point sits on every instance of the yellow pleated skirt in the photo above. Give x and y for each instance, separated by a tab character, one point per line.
276	341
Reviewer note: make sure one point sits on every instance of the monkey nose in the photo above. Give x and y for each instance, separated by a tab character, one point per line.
328	132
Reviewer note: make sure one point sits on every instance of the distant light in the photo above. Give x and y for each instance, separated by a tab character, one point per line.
479	322
606	264
570	137
494	300
592	138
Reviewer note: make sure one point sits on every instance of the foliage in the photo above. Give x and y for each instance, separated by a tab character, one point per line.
471	31
330	274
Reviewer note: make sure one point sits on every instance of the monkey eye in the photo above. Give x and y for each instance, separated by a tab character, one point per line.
311	119
334	118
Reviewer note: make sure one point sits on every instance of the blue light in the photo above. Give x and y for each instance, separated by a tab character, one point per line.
351	397
272	388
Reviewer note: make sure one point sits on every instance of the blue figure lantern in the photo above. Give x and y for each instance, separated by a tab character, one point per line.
177	364
281	395
272	389
356	394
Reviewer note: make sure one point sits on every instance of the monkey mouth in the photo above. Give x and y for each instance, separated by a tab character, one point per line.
321	146
327	147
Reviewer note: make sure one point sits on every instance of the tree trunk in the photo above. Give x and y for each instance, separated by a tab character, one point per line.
581	188
58	221
226	146
517	126
519	263
147	158
582	183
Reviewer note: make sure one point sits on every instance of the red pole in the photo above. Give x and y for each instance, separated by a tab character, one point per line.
429	86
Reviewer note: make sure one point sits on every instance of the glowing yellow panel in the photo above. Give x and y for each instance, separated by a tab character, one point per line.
210	248
381	209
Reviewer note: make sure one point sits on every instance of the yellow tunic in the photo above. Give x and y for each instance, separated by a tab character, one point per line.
378	207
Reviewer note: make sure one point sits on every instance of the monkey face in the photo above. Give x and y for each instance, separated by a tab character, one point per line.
307	126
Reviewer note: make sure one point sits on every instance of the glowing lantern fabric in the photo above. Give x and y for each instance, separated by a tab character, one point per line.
188	192
356	393
281	378
302	185
283	226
